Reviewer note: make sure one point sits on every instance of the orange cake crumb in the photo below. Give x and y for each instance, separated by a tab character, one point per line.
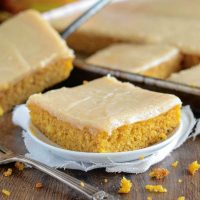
8	172
181	198
19	166
82	184
39	185
125	186
159	173
85	81
193	167
1	111
155	188
5	192
141	157
175	164
149	198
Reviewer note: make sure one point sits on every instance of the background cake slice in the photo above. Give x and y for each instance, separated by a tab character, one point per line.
151	60
140	22
105	115
190	76
33	57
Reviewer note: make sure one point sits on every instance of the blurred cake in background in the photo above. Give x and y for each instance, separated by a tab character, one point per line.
155	60
188	76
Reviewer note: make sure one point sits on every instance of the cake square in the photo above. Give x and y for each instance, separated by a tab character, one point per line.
105	115
33	58
141	22
157	61
188	76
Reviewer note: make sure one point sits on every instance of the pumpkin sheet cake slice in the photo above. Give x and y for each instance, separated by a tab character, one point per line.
105	115
151	60
33	57
126	21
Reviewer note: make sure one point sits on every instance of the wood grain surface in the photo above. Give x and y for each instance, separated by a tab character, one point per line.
22	184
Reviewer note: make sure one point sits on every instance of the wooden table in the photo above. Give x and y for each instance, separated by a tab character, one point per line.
22	184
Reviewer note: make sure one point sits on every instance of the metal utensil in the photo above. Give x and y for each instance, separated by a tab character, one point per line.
84	17
7	156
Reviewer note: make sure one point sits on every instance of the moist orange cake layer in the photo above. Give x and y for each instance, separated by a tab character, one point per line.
125	138
34	82
105	115
165	69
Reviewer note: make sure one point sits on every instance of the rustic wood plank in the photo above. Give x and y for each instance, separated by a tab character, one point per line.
21	184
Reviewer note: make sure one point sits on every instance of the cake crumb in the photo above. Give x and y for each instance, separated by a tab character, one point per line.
193	167
19	166
159	173
8	172
155	188
39	185
6	192
1	111
181	198
149	198
105	180
85	82
175	164
180	181
125	186
163	136
141	157
82	184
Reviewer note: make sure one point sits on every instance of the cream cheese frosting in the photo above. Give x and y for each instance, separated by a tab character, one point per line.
189	76
133	58
27	43
104	104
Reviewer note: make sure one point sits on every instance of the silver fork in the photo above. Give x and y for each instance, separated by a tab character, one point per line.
7	156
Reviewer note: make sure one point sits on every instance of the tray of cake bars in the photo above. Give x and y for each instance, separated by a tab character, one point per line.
143	42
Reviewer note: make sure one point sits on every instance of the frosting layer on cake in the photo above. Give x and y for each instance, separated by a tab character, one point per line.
104	104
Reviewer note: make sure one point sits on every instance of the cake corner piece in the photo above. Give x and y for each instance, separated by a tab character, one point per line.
40	58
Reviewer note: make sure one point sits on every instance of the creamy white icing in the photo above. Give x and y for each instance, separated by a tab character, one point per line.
104	104
133	58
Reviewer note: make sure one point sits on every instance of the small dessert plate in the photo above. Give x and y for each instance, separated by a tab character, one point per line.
104	158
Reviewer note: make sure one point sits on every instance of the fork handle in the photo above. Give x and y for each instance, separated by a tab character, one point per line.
88	190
